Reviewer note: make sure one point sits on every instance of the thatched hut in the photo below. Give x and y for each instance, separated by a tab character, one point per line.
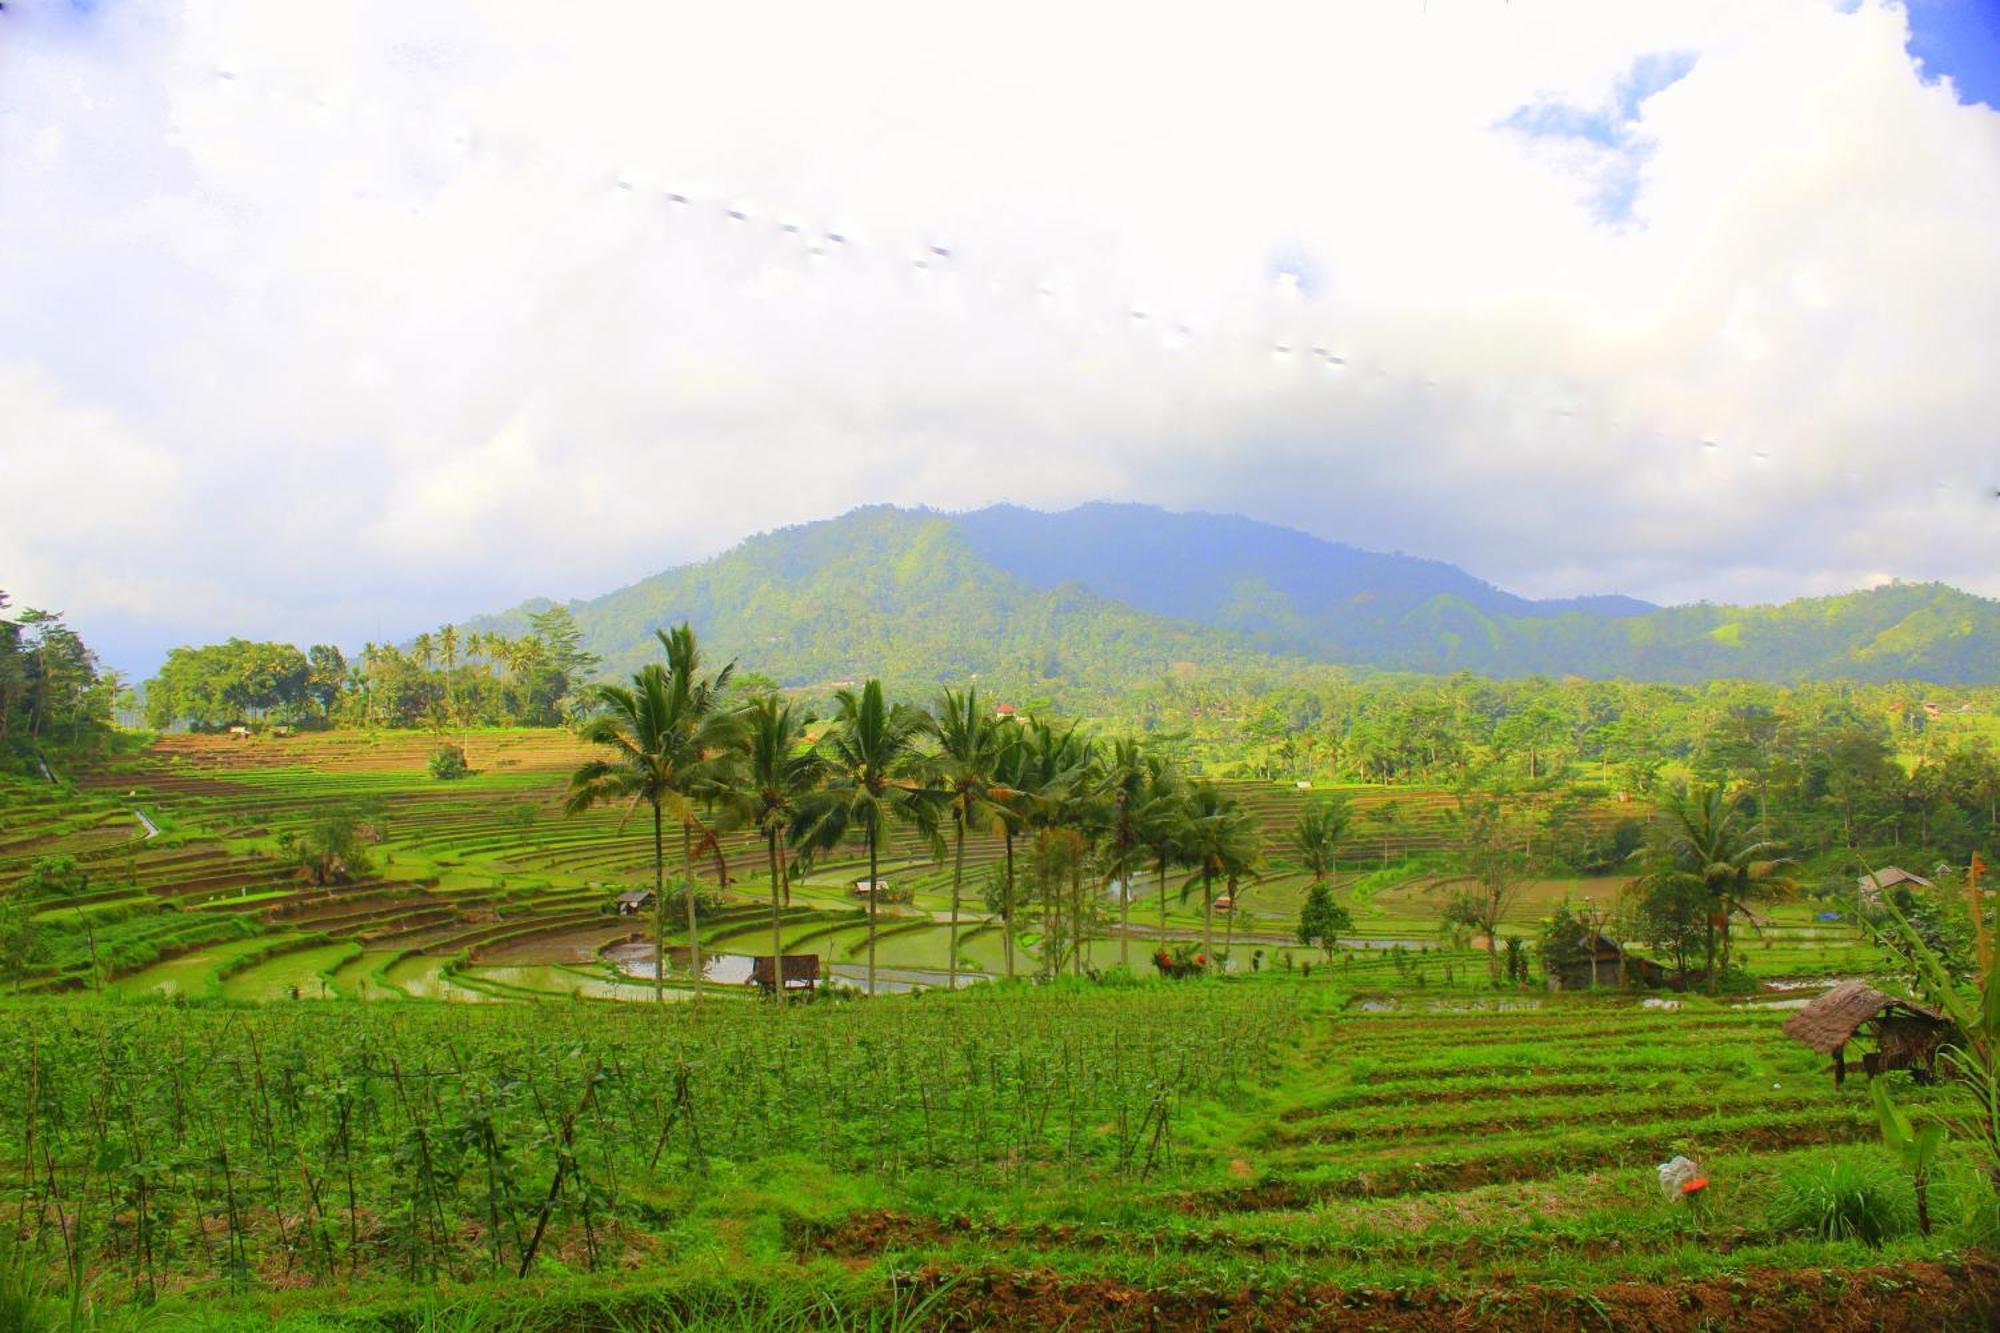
1601	961
801	971
1907	1035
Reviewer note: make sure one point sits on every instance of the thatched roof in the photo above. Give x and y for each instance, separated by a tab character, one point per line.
1833	1018
1888	877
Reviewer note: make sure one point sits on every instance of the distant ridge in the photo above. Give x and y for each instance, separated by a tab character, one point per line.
1102	595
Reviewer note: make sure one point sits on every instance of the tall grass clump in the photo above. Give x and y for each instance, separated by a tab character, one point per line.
1845	1196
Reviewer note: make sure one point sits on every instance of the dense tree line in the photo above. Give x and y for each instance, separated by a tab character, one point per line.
449	678
1823	765
53	693
1082	820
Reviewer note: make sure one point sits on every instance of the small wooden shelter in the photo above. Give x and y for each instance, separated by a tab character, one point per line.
1907	1035
634	901
801	972
1888	877
1613	967
868	888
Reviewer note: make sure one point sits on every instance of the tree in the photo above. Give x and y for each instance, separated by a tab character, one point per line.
21	945
326	675
1564	940
1670	914
780	773
1491	873
964	769
1315	839
671	748
1006	811
1704	844
1220	841
1130	792
873	769
57	876
1387	814
1322	921
1054	780
332	849
1163	825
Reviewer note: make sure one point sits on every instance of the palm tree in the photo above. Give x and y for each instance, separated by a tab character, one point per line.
964	771
1128	792
447	641
872	765
780	773
1053	782
1008	809
1220	841
1315	839
672	747
1163	824
1706	844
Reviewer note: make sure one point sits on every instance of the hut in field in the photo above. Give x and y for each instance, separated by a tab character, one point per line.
801	972
634	901
871	888
1602	961
1907	1035
1873	886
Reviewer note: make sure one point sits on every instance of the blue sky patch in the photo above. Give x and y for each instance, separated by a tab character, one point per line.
1959	40
1611	126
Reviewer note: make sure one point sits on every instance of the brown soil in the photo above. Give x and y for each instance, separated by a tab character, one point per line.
1926	1296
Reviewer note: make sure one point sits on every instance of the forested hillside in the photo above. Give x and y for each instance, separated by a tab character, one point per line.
896	593
1100	596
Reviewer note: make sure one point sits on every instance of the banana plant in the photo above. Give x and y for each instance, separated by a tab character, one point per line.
1918	1148
1971	1062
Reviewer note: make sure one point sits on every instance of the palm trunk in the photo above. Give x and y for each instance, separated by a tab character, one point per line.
1711	952
874	901
1007	906
1163	902
1229	926
777	920
1208	914
1076	917
694	930
957	888
659	910
1125	919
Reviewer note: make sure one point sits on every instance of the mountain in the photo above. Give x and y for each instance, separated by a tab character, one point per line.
890	592
1281	590
1104	595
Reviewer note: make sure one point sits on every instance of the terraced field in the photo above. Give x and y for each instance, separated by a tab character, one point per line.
181	842
1265	1152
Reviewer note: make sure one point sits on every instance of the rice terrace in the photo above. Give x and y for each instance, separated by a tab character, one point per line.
883	668
353	1023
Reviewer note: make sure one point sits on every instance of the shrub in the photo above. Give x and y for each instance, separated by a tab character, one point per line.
56	876
1845	1196
448	763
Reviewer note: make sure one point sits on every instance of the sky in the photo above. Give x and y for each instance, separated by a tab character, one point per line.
335	322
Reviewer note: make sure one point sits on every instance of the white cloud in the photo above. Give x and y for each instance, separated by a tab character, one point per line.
384	313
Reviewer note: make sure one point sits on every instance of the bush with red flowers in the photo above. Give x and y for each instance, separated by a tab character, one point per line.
1184	961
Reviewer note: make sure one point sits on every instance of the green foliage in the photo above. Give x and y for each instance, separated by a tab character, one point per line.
1916	1148
448	763
53	693
1563	940
333	847
58	876
231	682
1322	921
1843	1196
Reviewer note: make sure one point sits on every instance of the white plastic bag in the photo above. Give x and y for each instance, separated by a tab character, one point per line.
1674	1175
